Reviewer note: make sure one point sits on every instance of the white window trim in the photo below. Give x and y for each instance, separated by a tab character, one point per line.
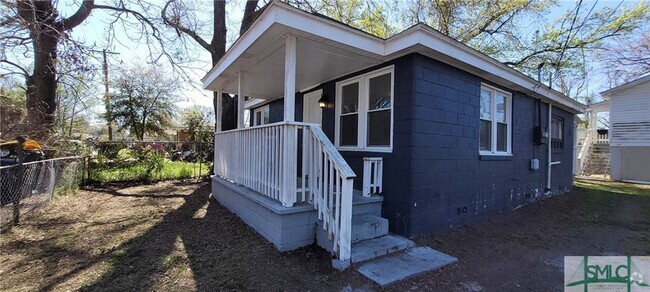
493	137
561	120
362	111
261	111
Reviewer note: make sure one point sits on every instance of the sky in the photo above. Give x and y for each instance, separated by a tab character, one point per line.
129	51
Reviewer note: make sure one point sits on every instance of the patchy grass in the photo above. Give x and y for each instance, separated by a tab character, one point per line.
596	187
169	236
140	172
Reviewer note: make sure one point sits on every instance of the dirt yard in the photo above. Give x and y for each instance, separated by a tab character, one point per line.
170	236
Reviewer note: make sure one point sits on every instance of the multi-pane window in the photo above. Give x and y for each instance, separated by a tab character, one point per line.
557	133
364	112
349	118
495	121
261	116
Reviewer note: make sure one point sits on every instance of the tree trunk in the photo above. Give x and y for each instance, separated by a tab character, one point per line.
228	117
41	84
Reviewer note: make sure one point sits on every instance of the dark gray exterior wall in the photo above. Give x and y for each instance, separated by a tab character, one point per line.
435	178
451	183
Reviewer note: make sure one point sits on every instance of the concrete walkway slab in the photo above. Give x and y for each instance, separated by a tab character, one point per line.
414	261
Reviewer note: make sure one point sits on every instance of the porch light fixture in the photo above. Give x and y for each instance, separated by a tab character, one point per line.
322	102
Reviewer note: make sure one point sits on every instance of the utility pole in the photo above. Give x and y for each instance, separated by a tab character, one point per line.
107	99
107	96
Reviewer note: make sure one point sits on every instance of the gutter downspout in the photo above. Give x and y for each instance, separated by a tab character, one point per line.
548	149
550	161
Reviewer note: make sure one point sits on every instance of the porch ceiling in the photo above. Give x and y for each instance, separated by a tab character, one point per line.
317	60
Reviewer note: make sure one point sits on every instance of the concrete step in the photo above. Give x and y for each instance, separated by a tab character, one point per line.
414	261
376	247
368	226
366	205
364	226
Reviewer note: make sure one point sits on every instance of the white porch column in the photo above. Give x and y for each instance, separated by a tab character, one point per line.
290	79
216	165
290	133
240	101
219	111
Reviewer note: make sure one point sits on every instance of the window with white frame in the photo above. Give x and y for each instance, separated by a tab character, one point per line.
495	136
364	111
261	116
557	132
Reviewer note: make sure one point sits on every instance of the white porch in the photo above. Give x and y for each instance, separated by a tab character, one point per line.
290	169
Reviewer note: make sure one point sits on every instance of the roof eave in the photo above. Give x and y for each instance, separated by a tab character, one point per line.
625	86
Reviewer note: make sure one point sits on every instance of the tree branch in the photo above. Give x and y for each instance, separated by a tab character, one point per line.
24	72
249	16
176	24
78	17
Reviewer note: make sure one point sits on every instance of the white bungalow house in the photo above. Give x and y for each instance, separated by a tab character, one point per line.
628	136
354	136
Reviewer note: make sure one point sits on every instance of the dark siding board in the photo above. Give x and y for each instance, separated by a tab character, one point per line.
396	193
447	171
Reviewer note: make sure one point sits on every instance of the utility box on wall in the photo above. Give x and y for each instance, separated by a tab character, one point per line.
540	134
534	164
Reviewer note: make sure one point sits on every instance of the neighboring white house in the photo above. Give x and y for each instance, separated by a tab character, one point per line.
629	133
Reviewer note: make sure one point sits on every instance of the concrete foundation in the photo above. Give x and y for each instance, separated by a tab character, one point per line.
288	228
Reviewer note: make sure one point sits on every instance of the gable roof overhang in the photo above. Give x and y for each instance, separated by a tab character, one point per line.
327	49
633	83
602	106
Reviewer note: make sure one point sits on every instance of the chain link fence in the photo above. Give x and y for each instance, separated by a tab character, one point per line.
28	186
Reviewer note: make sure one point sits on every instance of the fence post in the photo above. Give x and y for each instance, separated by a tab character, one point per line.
19	180
88	170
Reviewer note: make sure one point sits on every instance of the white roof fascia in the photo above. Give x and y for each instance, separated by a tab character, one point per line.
315	25
300	20
254	102
260	25
436	41
630	84
599	106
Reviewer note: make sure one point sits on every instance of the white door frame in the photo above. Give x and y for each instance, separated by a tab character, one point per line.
306	106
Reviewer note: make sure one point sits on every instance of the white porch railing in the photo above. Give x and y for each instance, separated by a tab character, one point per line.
265	159
373	172
330	181
601	138
584	151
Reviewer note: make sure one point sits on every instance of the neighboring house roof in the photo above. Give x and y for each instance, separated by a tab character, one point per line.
602	106
625	86
349	50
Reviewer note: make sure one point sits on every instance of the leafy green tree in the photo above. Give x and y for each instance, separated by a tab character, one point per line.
12	109
197	119
567	46
144	100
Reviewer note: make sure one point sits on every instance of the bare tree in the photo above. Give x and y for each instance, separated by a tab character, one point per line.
36	30
627	58
183	19
577	35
